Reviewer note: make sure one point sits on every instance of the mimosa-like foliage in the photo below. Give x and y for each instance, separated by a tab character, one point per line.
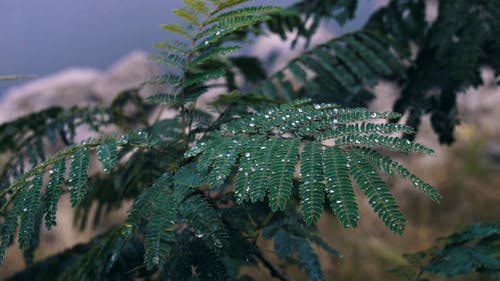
261	161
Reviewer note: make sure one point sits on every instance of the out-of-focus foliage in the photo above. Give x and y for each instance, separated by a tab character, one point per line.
475	249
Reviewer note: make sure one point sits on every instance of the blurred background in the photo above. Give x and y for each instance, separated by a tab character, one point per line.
87	51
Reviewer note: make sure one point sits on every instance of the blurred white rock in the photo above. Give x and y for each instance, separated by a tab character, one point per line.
78	86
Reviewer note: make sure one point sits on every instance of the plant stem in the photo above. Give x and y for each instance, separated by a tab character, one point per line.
275	272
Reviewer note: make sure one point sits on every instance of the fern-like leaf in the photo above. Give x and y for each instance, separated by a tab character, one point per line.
343	64
383	162
275	136
205	222
53	192
312	190
339	186
248	163
143	206
224	161
31	206
10	224
282	173
108	155
378	194
159	231
77	183
309	259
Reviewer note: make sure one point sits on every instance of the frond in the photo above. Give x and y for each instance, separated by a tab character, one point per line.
53	192
378	193
279	136
77	183
189	14
213	53
108	155
471	250
383	162
198	5
338	186
292	237
245	11
159	232
224	161
312	189
143	206
283	169
180	30
348	64
9	225
205	222
31	205
309	259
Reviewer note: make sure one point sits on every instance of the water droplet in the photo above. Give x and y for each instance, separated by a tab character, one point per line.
156	260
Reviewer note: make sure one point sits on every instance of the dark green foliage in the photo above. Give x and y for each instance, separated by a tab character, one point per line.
338	186
208	183
30	207
312	189
322	167
350	65
159	229
471	250
205	222
378	194
293	239
108	155
451	50
77	183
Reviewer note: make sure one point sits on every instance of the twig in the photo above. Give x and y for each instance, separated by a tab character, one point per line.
275	272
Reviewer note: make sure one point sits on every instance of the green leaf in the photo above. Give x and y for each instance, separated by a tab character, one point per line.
224	4
248	161
232	23
143	206
378	194
198	5
380	161
30	207
282	173
212	53
309	259
224	161
10	224
205	222
159	232
189	15
339	187
245	11
311	188
77	183
175	28
53	192
107	153
204	77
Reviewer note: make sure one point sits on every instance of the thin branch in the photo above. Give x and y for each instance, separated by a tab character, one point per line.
275	272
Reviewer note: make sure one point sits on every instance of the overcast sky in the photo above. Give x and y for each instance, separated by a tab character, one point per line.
45	36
